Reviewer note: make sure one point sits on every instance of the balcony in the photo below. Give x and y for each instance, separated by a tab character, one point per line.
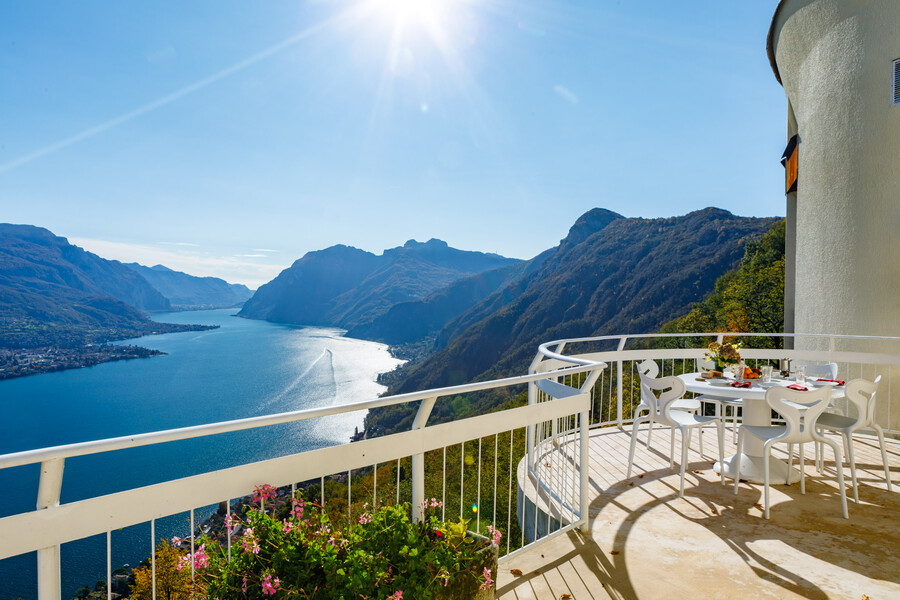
573	523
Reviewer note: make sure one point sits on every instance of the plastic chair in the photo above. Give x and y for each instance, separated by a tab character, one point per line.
648	403
672	389
860	393
826	371
800	410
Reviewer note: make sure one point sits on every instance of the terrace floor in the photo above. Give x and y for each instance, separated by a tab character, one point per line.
645	542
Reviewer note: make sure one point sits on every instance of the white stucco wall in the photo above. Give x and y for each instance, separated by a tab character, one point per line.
834	58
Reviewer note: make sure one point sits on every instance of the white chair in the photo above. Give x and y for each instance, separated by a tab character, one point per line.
861	394
800	410
722	402
826	371
672	389
651	369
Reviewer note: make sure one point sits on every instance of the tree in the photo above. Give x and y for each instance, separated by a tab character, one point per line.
171	584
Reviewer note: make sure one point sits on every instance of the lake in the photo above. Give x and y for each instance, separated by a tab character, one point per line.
245	368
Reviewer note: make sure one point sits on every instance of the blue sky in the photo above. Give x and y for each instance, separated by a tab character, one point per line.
229	138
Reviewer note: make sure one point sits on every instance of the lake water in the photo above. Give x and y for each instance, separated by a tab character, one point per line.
245	368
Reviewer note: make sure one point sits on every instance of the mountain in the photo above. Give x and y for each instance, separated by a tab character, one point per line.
408	322
34	260
55	294
609	275
188	291
347	287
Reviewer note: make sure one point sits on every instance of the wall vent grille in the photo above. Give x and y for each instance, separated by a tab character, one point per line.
895	88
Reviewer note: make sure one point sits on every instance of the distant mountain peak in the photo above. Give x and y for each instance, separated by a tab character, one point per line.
589	223
432	243
162	269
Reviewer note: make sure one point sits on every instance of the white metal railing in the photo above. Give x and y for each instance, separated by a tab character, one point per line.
51	524
616	392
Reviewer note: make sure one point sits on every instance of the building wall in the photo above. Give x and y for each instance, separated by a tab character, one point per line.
834	59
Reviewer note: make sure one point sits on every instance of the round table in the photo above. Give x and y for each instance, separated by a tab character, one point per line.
755	412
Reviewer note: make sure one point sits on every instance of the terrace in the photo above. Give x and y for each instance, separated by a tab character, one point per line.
595	533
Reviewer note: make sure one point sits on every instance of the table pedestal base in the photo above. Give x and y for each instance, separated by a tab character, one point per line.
752	469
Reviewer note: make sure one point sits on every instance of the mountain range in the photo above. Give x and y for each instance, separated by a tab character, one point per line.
189	292
53	293
347	287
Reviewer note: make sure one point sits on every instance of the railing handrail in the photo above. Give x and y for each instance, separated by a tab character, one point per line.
26	457
545	350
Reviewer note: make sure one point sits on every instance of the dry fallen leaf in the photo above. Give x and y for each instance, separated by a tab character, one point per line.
758	505
715	512
864	597
696	471
613	551
515	572
641	475
631	483
565	597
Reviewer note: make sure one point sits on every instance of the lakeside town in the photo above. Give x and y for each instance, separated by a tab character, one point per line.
34	361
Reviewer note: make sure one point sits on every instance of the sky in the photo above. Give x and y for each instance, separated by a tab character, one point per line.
229	138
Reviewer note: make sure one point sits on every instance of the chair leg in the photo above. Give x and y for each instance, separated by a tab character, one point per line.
672	449
802	471
685	443
720	431
840	474
733	423
767	450
700	436
790	462
649	431
737	459
887	466
634	433
850	458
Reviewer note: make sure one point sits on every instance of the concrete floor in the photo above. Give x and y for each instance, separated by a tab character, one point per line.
645	542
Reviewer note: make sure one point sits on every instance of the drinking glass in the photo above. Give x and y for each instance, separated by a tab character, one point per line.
766	373
800	373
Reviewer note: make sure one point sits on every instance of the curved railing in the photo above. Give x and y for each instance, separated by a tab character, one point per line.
616	392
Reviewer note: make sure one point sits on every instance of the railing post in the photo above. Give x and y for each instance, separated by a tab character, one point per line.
49	580
418	462
619	399
584	468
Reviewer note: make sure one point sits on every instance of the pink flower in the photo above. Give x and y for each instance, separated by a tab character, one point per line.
488	582
244	585
495	535
365	518
176	541
297	510
250	543
398	595
287	527
231	522
270	585
263	492
201	558
183	561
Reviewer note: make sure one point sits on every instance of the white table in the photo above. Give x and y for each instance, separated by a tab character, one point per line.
755	412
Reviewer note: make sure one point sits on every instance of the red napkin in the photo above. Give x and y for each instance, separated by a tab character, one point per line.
799	388
741	384
837	381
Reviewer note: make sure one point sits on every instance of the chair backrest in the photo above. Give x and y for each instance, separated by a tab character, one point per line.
861	393
672	389
826	371
706	364
649	368
800	410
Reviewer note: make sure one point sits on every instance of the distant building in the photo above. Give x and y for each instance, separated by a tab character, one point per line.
839	63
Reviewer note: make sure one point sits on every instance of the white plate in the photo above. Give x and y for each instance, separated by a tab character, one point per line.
768	384
821	383
719	382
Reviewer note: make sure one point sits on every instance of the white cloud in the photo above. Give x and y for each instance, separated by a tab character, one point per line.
565	93
188	244
202	264
263	250
251	255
